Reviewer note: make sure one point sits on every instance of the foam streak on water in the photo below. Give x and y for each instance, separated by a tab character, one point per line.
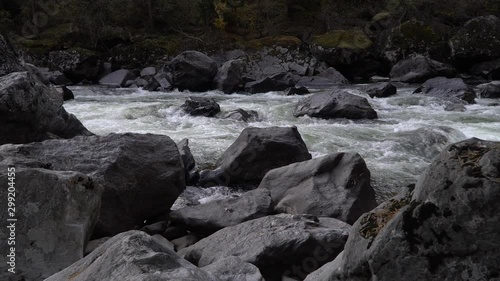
394	154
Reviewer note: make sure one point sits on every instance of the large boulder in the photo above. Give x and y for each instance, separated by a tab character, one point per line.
443	87
490	90
232	269
478	40
278	82
142	174
336	186
55	214
213	216
76	64
118	78
229	79
418	68
31	111
254	153
132	255
337	104
198	106
193	71
447	228
9	61
381	90
274	244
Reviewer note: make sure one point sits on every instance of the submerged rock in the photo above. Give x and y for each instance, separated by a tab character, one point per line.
193	71
445	229
242	115
31	111
56	214
197	106
443	87
132	255
254	153
418	68
336	186
338	104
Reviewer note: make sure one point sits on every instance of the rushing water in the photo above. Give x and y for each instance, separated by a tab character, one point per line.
395	153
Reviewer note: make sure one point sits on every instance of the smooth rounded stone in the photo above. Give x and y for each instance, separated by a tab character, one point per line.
148	72
444	229
133	168
454	88
94	244
457	107
31	111
132	255
254	153
337	186
298	91
277	82
229	79
242	115
274	244
155	228
478	40
418	69
76	65
56	213
193	71
489	70
197	106
118	78
381	90
185	241
316	82
186	155
174	232
210	217
232	269
490	90
337	104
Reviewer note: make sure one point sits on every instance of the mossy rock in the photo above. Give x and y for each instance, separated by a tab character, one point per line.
290	42
343	39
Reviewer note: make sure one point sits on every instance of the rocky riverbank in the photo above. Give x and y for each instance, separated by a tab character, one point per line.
99	207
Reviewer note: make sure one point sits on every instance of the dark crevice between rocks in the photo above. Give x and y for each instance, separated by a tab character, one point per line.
413	221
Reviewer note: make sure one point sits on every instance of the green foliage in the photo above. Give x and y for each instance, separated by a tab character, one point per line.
343	39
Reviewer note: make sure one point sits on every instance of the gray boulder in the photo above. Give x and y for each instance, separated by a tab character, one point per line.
9	61
31	111
242	115
56	213
316	82
159	82
254	153
76	65
418	68
148	72
274	244
210	217
336	186
490	90
193	71
381	90
229	79
278	82
477	40
142	174
132	255
232	269
445	229
197	106
186	155
118	78
337	104
446	88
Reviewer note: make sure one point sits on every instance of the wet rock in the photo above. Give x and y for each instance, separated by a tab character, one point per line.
300	91
118	78
186	155
31	111
478	40
193	71
77	65
66	93
418	68
337	104
254	153
336	186
278	82
210	217
233	268
58	214
490	90
229	79
132	168
443	87
316	82
274	244
197	106
442	230
242	115
132	255
381	90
